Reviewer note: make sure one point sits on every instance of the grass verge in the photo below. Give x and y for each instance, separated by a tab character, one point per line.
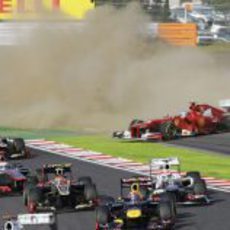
209	164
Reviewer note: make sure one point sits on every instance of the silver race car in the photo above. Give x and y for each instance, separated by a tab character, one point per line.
40	220
188	188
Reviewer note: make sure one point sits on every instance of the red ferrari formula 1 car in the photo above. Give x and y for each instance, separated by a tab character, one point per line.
200	119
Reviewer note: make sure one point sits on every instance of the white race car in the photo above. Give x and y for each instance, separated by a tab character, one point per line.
186	189
20	221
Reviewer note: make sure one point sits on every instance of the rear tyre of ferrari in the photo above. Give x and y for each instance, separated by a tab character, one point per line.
168	130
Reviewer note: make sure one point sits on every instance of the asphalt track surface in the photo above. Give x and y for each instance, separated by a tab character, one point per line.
219	143
212	217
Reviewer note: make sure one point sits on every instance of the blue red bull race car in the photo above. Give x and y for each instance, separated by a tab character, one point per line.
135	209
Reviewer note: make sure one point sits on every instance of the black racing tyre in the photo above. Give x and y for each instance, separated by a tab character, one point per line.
30	184
5	180
194	174
171	199
224	125
19	144
34	197
199	187
10	150
118	134
53	227
165	211
25	197
34	194
168	130
227	122
102	215
86	180
60	203
90	192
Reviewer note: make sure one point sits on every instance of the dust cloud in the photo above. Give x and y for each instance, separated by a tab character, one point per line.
99	74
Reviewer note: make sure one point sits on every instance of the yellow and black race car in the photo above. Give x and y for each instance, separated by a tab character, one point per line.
54	188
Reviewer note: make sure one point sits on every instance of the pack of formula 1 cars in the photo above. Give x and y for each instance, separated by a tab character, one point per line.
151	202
145	203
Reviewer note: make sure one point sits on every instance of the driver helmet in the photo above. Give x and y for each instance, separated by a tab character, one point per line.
59	172
183	114
135	193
